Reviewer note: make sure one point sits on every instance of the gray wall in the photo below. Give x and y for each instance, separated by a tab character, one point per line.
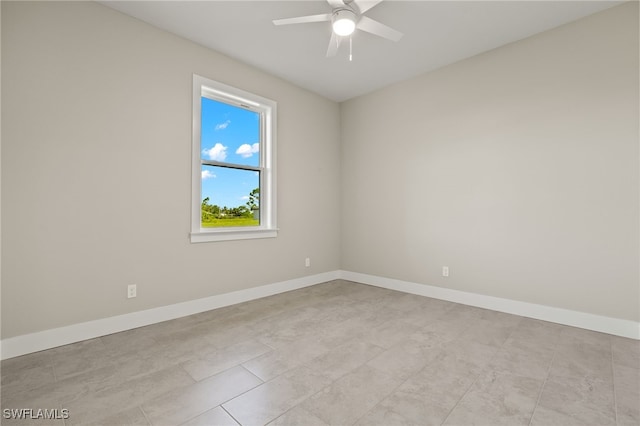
517	168
96	141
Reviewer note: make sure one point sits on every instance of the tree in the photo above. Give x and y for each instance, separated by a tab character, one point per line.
254	199
208	211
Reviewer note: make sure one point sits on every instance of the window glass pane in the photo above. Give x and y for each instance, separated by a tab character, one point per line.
229	134
230	197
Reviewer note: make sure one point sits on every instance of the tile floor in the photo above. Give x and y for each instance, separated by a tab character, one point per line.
338	353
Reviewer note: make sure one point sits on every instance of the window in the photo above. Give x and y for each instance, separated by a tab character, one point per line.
233	182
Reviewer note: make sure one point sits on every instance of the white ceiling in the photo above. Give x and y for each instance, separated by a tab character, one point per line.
436	33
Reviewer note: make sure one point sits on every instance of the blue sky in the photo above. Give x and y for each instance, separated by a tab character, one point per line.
229	134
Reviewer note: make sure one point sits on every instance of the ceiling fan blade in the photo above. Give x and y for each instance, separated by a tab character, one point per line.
376	28
336	3
303	19
334	44
364	5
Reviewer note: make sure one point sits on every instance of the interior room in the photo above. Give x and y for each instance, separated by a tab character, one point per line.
439	223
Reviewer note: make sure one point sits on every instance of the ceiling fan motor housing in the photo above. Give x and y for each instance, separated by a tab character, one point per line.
343	21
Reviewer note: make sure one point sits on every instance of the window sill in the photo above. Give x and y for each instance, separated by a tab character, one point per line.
229	235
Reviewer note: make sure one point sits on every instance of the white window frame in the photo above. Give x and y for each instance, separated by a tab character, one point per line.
267	109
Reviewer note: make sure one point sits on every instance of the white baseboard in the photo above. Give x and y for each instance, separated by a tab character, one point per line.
34	342
615	326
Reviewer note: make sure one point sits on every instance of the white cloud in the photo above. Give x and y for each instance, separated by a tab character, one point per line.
245	150
206	174
245	197
223	126
217	153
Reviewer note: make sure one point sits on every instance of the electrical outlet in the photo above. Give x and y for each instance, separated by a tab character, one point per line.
307	262
132	291
445	271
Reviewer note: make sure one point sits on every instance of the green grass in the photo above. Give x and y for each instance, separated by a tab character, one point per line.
236	221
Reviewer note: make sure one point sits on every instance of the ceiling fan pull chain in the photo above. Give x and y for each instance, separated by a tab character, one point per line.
350	48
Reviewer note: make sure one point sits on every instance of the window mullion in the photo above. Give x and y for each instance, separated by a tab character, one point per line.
230	165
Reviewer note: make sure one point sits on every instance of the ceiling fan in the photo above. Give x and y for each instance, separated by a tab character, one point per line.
346	16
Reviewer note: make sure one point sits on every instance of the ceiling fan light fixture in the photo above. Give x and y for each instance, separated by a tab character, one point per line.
344	22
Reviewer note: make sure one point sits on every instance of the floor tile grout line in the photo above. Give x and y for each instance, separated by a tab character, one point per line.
462	397
270	380
282	414
200	414
248	390
321	389
613	381
289	369
392	391
145	415
241	364
55	375
250	372
223	402
229	414
484	368
544	383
